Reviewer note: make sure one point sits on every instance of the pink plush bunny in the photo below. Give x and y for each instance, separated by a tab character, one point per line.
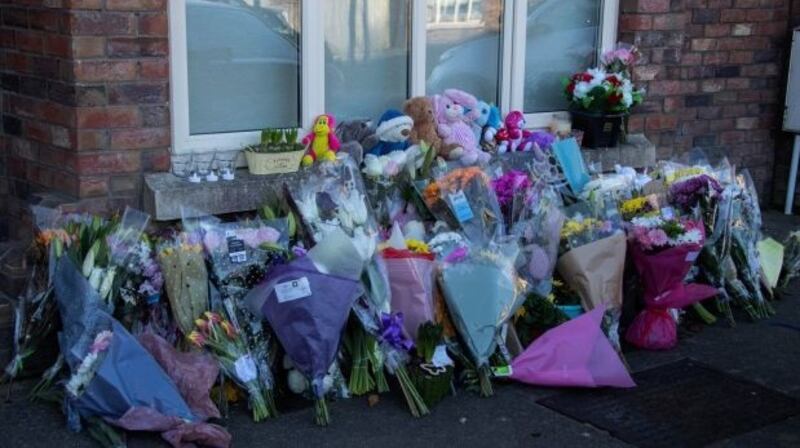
453	126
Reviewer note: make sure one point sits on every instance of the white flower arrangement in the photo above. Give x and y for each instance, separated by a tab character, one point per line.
80	379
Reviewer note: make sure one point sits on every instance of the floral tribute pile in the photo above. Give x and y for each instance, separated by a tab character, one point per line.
417	271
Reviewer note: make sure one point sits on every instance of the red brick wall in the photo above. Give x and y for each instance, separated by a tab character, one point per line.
85	99
714	71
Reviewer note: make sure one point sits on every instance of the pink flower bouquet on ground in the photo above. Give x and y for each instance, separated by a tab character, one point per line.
663	251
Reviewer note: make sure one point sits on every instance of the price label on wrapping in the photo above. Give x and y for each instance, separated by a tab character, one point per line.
461	207
245	369
293	290
236	250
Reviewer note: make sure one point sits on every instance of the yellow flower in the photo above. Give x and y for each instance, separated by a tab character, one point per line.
418	246
683	173
551	297
197	338
521	312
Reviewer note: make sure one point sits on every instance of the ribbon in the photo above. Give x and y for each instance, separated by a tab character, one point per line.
457	255
392	332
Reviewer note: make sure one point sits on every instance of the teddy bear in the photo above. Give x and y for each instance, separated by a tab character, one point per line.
486	124
420	109
453	127
393	132
355	135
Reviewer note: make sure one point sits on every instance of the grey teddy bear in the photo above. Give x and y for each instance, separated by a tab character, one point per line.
357	137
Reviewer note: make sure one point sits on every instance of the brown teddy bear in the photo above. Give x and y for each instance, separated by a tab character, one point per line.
420	109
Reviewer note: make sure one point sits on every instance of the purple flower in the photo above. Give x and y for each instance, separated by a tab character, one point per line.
687	194
544	140
658	237
539	264
509	185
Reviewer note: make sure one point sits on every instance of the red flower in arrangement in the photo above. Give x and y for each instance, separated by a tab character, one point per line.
614	99
614	80
571	88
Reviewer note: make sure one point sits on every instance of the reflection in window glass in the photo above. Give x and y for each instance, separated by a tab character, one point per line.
244	65
366	56
562	38
464	46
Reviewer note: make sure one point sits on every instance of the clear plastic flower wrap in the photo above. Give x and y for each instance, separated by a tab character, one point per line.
538	231
463	198
331	196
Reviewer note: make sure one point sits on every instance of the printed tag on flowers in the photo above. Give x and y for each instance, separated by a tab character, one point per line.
293	290
461	207
440	357
245	369
236	249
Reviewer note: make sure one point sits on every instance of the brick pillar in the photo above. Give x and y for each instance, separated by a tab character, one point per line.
121	71
713	71
84	101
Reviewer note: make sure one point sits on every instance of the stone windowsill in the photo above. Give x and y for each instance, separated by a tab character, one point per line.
165	194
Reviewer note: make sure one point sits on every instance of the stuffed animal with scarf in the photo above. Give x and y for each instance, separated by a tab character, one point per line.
321	142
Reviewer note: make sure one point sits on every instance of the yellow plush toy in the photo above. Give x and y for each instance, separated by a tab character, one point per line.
321	142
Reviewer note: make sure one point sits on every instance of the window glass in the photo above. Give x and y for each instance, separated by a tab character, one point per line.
562	38
244	64
366	56
464	46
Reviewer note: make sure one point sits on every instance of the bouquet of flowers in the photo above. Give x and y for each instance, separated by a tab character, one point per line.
433	373
538	230
463	198
185	278
592	258
597	90
307	302
621	60
387	330
410	270
791	259
240	254
221	339
386	178
663	251
573	354
113	377
638	206
332	196
514	190
537	315
482	291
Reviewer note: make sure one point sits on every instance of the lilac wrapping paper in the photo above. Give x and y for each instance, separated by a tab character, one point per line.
309	328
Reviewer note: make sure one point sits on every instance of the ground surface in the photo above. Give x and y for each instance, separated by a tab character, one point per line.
766	352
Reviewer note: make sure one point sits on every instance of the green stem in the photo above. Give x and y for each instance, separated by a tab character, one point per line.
416	405
485	377
321	415
704	314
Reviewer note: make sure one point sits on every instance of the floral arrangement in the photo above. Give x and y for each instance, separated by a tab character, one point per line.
581	230
463	197
185	278
276	141
333	196
638	206
596	90
655	233
220	338
688	192
89	364
513	190
621	59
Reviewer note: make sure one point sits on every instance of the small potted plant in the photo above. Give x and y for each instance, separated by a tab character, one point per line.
599	101
279	152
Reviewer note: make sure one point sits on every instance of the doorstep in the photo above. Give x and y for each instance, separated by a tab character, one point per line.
165	193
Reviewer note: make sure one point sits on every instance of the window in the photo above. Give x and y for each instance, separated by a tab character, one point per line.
241	65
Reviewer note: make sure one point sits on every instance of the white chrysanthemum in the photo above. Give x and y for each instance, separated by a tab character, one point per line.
647	221
581	90
372	166
691	237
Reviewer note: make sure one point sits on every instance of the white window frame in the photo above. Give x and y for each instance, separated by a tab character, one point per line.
312	68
